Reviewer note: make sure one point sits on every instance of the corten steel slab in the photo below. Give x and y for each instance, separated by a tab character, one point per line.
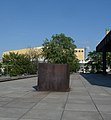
53	77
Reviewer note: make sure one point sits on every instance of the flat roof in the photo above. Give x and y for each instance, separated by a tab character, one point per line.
105	44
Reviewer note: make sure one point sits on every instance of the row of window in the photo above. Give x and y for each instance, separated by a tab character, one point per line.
79	51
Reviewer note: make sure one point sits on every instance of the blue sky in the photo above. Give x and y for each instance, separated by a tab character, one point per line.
26	23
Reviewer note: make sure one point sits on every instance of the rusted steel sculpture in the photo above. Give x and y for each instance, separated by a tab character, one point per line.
53	77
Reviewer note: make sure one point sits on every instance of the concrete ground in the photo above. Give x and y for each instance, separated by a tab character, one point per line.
88	99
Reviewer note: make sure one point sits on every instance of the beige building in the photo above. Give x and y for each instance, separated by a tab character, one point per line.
25	50
80	52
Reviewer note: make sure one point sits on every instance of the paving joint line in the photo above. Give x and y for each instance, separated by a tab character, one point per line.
106	91
64	106
32	107
103	86
92	99
14	99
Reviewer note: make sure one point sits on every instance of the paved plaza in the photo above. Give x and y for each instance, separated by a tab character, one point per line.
89	99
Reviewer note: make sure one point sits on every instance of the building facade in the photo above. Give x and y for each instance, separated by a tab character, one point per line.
80	52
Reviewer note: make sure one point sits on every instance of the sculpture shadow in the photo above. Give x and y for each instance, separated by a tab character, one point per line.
98	79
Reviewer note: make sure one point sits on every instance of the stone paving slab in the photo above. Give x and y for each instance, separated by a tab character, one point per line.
78	115
44	114
19	104
8	78
88	99
12	112
80	107
1	118
49	106
106	115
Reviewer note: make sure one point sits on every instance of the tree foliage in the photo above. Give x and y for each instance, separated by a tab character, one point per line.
0	68
60	50
16	64
34	56
95	63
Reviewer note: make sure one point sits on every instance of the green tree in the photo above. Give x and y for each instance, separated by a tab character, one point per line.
108	59
16	64
34	55
60	50
0	68
95	63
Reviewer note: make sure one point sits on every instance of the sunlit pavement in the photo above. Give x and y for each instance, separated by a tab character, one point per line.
89	99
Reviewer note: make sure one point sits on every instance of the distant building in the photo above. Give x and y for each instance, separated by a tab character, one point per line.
29	51
80	53
25	50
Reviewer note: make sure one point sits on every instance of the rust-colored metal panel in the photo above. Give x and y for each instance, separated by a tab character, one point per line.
53	77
